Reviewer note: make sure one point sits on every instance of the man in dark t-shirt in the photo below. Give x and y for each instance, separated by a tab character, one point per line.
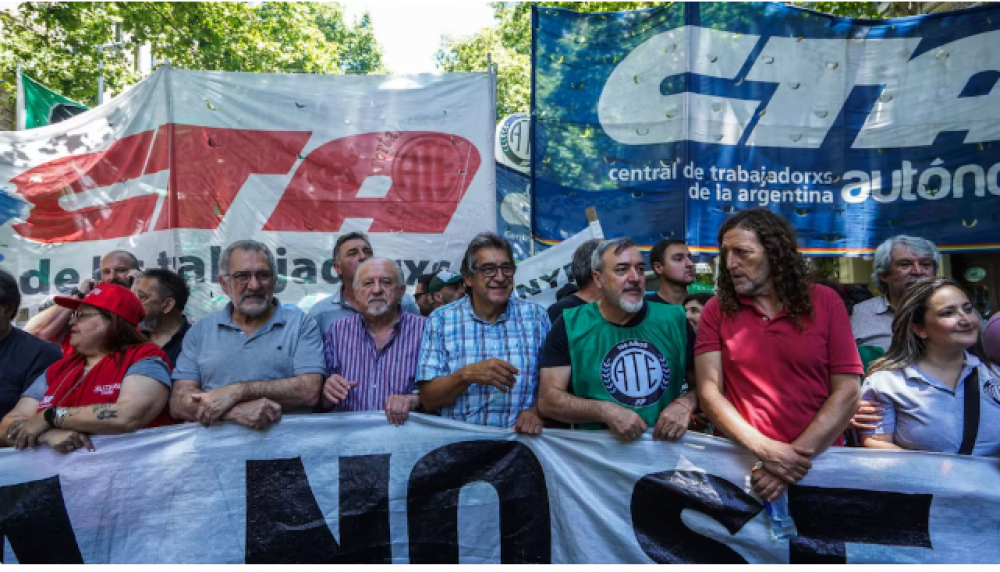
582	275
23	357
164	295
672	264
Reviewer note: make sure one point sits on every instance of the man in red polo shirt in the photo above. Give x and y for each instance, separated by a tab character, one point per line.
777	367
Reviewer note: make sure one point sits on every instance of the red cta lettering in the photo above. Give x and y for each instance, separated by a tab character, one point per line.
208	166
428	172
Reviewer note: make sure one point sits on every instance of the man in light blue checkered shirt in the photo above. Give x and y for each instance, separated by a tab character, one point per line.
479	355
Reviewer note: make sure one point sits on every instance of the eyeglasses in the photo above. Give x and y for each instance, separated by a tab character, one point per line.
80	315
262	276
490	270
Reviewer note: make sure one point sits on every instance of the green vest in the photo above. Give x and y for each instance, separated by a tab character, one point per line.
640	368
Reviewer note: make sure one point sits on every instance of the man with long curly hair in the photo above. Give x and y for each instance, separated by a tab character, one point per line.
777	368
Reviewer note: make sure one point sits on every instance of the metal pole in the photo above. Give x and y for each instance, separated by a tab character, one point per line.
100	78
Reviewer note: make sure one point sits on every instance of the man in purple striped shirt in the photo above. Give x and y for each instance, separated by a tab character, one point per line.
372	356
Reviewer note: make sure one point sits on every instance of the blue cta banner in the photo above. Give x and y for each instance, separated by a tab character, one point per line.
513	210
671	119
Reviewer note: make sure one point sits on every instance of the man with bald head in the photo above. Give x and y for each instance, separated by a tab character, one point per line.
372	355
117	267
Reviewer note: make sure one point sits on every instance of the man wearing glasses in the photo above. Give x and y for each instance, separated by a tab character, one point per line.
254	358
479	356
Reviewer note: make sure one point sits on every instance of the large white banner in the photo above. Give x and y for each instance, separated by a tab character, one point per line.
186	162
350	488
540	277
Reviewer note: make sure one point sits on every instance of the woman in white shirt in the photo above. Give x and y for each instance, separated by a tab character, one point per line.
922	381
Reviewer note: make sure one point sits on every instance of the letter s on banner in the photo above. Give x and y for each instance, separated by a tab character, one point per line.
209	164
658	501
429	174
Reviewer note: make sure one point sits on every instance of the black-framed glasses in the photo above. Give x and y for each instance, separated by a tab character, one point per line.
82	315
490	270
243	277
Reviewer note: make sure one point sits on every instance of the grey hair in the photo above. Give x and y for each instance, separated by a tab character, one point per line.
357	273
883	254
582	267
344	238
617	245
481	241
247	244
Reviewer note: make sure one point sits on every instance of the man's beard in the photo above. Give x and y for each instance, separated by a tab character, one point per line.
258	311
151	323
618	299
377	306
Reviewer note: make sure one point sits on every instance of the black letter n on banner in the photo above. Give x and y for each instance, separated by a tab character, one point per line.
33	518
286	526
658	501
511	468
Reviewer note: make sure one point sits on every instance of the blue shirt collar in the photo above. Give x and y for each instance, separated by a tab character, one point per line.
911	372
466	305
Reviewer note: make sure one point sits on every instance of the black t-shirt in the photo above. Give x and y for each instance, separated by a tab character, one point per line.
571	301
23	358
654	297
555	351
173	347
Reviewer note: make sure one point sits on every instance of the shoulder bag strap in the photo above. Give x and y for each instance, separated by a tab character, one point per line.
971	427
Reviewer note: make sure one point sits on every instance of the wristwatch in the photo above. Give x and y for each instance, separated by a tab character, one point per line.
54	416
77	293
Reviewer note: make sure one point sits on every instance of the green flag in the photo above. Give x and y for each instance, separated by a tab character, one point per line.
42	106
699	288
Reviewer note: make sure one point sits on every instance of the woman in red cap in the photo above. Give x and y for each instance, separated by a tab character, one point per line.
115	380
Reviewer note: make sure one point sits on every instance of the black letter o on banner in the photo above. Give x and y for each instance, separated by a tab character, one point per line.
511	468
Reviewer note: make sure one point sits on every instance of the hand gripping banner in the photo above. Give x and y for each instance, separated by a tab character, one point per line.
186	162
350	488
671	119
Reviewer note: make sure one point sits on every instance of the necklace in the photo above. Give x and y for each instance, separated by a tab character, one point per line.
62	382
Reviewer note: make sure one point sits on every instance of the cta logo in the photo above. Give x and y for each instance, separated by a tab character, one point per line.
405	181
796	88
635	373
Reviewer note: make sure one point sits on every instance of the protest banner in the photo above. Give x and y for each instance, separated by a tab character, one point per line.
541	276
186	162
673	118
350	488
512	147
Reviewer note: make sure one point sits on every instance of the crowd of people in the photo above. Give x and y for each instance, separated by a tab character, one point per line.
773	361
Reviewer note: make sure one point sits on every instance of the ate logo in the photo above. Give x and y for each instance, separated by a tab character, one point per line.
635	373
419	177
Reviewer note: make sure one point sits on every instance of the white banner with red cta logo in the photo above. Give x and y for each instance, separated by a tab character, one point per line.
350	488
186	162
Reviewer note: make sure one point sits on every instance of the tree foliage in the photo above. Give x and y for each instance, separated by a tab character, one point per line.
59	43
508	44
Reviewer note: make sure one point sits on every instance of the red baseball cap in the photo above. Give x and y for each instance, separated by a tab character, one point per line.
111	297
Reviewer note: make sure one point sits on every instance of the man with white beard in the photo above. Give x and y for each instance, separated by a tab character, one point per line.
371	356
252	360
628	360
